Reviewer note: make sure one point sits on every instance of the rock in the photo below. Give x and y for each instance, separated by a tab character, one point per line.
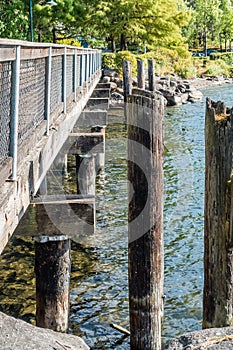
120	91
110	73
184	97
106	79
117	97
212	339
173	84
118	81
113	86
173	99
18	335
195	95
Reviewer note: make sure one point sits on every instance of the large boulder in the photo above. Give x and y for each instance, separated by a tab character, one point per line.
195	95
18	335
208	339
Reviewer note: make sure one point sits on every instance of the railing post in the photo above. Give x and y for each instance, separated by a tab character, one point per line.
48	90
15	114
64	81
87	69
75	75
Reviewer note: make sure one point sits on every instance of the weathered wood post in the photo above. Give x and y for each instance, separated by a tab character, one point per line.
218	260
145	175
100	157
85	174
52	268
151	75
127	78
141	74
127	84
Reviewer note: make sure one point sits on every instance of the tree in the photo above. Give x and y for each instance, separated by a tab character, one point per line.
14	22
124	21
226	23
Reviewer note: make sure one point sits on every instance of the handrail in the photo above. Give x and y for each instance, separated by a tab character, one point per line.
49	78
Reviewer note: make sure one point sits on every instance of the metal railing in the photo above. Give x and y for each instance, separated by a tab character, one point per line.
37	83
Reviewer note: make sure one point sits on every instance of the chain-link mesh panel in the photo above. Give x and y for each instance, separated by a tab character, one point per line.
31	96
56	83
5	98
69	75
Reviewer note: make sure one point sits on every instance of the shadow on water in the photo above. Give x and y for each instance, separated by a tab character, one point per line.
99	291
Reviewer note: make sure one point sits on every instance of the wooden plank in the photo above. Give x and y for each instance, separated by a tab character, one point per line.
101	93
218	254
103	86
83	143
145	175
7	54
91	118
72	215
98	103
27	53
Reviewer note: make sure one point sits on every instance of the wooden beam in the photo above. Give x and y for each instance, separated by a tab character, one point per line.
72	215
91	118
83	143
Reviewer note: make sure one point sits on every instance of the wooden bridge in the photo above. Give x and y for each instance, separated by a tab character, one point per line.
44	89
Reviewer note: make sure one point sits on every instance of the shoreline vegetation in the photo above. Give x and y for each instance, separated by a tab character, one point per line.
176	89
173	61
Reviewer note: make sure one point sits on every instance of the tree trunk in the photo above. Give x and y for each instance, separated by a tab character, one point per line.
123	43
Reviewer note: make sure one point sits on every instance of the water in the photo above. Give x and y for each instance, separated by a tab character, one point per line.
99	270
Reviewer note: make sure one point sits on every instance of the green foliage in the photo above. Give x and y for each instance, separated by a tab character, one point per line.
126	55
225	56
215	68
70	41
109	60
14	22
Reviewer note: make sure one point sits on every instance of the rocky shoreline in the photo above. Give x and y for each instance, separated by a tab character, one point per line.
176	91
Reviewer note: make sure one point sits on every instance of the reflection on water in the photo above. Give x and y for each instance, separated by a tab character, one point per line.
99	270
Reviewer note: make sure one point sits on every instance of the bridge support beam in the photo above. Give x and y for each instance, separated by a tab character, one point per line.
52	268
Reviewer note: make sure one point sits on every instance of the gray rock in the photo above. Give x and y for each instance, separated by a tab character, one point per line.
208	339
19	335
110	73
113	86
106	79
195	95
173	99
173	84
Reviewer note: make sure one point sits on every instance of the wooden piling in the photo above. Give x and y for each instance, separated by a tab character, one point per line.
151	75
100	156
218	259
127	78
141	74
145	175
85	174
52	268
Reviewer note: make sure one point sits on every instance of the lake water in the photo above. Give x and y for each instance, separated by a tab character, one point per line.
99	292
